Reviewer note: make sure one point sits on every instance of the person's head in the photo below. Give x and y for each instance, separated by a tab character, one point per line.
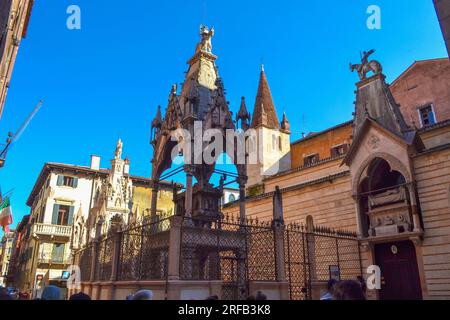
51	293
330	285
4	294
79	296
143	295
260	296
348	290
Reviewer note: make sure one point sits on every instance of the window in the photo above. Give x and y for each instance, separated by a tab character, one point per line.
280	145
312	159
67	181
41	215
231	198
62	215
339	150
274	142
427	115
58	252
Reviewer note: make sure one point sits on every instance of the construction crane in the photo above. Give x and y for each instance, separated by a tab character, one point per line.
11	139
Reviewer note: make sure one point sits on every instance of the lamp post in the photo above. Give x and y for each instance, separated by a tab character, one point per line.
5	150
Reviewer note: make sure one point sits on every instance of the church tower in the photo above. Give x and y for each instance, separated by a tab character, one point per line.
272	145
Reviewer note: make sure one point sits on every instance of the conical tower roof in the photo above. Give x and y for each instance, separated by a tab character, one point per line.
264	113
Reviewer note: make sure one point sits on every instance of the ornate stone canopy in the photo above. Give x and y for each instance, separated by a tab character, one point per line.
200	106
201	98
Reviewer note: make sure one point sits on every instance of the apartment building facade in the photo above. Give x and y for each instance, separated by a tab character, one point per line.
64	214
14	19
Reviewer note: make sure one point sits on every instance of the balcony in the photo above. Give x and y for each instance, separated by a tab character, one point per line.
54	261
52	230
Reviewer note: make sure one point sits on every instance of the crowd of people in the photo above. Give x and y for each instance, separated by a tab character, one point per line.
336	290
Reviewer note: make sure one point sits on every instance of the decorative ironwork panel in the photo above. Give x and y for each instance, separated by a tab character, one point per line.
261	254
105	257
144	251
297	264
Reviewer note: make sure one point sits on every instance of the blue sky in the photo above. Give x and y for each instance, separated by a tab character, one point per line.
105	81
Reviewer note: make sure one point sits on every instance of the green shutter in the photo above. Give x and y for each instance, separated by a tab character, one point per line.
69	221
75	182
55	213
60	181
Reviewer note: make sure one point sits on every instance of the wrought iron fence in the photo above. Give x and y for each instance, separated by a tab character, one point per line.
228	250
105	259
318	255
297	262
85	262
144	251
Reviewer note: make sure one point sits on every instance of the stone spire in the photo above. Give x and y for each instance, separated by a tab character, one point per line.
264	113
375	101
157	121
243	115
201	79
285	125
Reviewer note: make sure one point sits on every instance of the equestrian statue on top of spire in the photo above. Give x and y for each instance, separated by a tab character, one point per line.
366	66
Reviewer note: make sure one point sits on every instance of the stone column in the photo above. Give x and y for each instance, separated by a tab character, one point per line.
173	268
278	231
242	202
311	247
414	210
360	231
188	194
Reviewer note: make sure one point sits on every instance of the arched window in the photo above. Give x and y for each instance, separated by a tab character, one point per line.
231	198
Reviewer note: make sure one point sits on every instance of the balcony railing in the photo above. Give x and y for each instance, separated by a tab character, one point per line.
52	230
47	260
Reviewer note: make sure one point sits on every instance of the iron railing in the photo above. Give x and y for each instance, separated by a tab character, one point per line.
229	250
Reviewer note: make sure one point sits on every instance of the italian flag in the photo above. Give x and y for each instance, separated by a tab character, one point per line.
5	214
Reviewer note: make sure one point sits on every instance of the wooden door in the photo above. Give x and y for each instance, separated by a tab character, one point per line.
399	271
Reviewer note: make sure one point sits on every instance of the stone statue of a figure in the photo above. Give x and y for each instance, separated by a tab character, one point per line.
118	153
206	36
366	66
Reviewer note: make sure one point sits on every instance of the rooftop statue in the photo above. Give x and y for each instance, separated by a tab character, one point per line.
366	66
118	153
205	42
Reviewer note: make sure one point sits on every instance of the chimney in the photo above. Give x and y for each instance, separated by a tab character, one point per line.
95	162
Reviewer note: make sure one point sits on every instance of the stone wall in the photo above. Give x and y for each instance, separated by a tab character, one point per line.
329	203
433	185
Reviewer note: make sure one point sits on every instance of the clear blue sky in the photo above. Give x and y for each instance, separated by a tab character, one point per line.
105	81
